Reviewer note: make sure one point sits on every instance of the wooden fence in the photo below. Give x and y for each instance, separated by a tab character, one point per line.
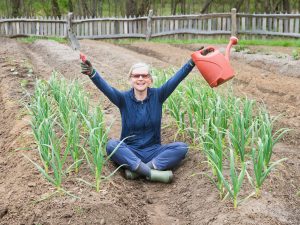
233	23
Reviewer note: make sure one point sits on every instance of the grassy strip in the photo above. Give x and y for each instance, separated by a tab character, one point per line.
288	42
32	39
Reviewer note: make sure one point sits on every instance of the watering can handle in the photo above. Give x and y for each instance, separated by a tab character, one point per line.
233	41
205	51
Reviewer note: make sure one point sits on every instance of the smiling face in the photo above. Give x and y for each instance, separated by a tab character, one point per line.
140	77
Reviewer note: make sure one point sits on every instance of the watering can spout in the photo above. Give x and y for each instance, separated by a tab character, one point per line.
233	41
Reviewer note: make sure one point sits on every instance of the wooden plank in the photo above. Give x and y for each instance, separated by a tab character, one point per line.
190	24
65	27
100	28
17	28
49	27
187	31
286	25
91	32
112	27
95	28
52	28
162	26
33	27
114	36
270	15
292	22
253	23
200	25
125	26
13	28
270	24
157	26
26	29
259	32
176	28
224	24
6	28
108	28
185	24
219	23
134	24
76	27
280	26
86	29
57	33
30	20
37	30
172	25
229	24
275	25
103	27
264	24
130	30
139	26
121	27
243	23
297	26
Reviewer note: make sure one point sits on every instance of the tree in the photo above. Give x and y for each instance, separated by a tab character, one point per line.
130	7
16	4
238	5
144	8
206	6
286	6
70	6
55	8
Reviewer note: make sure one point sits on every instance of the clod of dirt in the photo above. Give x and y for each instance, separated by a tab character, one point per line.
149	200
102	222
3	211
31	184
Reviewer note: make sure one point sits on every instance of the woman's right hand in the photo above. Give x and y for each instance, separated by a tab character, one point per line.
87	68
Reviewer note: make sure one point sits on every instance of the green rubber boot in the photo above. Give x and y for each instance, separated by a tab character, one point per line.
161	176
130	175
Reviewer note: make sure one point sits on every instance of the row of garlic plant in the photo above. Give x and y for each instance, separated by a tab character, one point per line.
65	131
226	128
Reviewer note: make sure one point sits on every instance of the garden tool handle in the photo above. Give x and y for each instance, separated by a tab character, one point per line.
83	57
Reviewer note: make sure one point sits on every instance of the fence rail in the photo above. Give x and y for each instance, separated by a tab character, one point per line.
286	25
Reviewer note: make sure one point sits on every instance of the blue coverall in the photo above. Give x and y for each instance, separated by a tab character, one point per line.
142	121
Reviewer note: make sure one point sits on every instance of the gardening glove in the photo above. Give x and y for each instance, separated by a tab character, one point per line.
87	68
191	62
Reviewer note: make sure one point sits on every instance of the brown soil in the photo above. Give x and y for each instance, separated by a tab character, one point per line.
190	199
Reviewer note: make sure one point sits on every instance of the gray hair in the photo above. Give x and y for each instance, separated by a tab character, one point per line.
140	65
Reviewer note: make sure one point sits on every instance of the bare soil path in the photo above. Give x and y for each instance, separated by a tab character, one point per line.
189	199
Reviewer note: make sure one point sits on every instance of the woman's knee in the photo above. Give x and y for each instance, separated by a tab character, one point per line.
111	145
181	148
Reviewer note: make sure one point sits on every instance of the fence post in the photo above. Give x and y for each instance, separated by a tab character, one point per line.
149	25
233	22
69	23
70	34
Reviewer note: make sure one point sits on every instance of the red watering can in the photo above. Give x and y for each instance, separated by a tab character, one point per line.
213	65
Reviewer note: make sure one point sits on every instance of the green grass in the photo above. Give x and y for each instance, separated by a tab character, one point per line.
269	42
32	39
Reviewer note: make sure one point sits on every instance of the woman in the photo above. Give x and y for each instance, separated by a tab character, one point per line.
141	112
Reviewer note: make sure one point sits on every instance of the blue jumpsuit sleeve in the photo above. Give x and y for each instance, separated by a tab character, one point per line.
167	88
113	94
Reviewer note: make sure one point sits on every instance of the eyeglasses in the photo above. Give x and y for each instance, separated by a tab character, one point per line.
136	76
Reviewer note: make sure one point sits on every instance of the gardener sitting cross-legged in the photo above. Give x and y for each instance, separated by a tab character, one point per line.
141	112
